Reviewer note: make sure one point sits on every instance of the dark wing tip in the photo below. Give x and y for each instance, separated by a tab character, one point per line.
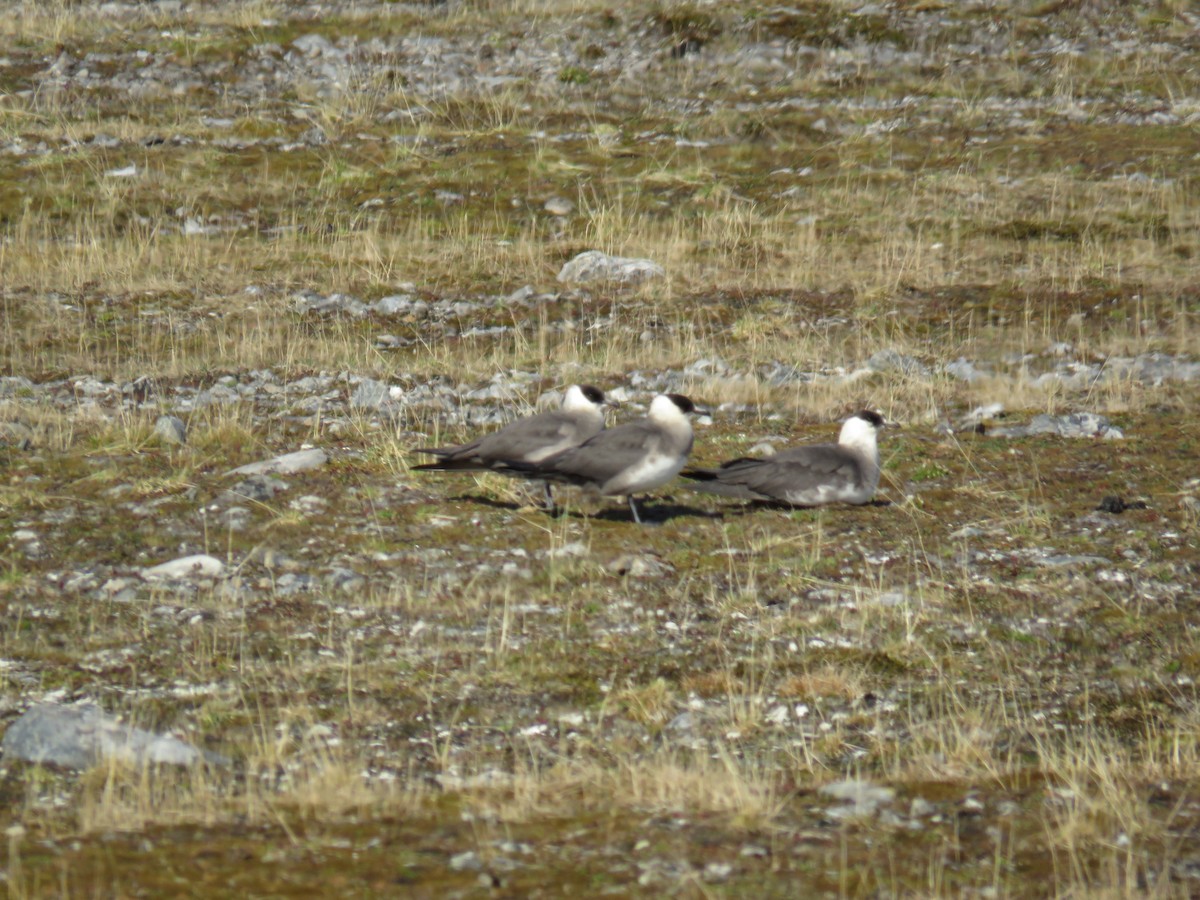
740	462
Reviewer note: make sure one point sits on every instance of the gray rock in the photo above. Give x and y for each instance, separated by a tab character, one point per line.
312	384
314	136
967	532
171	429
575	548
1065	560
920	808
334	304
1157	368
140	389
316	45
394	305
892	360
370	394
684	722
981	414
639	565
287	464
236	518
345	580
218	393
391	342
1071	425
272	559
717	871
893	598
81	736
592	265
16	386
293	583
467	861
309	504
858	798
199	565
93	387
963	370
706	366
14	434
193	227
257	488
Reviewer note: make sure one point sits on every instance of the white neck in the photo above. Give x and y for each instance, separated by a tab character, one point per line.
663	411
575	402
673	422
859	434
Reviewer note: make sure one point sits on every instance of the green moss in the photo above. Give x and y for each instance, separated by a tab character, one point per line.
574	75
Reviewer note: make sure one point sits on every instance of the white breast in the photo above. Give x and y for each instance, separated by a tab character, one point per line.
653	471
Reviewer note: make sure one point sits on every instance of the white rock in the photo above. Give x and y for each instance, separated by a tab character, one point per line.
779	715
198	565
575	548
171	429
81	736
982	414
592	265
468	860
287	464
859	798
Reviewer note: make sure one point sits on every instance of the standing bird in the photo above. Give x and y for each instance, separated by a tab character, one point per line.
845	472
628	459
527	441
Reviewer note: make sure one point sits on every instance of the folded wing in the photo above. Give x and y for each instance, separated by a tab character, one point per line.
802	476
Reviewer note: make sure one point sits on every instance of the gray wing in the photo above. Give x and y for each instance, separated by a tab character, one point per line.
796	476
528	440
603	456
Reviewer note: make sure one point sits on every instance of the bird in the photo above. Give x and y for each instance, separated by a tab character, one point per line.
812	475
527	441
628	459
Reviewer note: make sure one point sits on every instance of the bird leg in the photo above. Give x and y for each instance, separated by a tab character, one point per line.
551	506
633	509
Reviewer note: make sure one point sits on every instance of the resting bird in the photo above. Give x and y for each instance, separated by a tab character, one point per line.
845	472
529	440
628	459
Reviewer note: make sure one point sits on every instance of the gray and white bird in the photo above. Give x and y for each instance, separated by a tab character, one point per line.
527	441
845	472
626	460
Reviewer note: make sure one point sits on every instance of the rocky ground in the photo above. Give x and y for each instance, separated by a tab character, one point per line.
254	255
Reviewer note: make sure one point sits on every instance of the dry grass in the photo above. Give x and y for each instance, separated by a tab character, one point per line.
489	683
